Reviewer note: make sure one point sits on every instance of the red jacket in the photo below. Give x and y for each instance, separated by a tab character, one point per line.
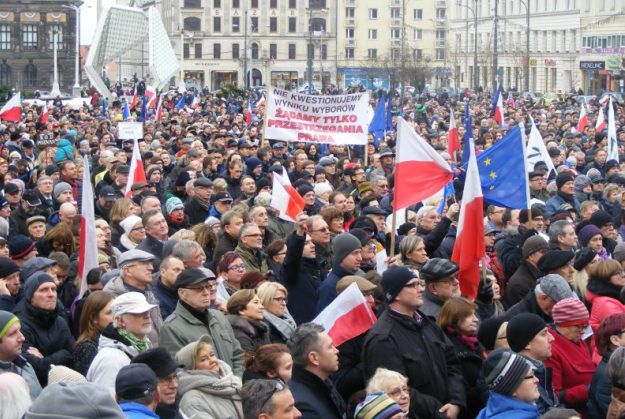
572	370
602	307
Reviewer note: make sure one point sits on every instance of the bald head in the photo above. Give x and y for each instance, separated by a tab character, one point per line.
67	211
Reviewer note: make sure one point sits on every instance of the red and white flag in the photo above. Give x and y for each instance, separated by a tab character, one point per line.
150	93
420	171
583	119
347	316
88	252
159	109
133	101
137	172
248	116
261	102
469	246
600	125
44	115
12	110
453	139
498	116
285	198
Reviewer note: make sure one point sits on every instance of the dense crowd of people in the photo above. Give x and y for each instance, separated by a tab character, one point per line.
204	299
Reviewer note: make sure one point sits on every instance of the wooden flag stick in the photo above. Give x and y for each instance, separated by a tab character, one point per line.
393	229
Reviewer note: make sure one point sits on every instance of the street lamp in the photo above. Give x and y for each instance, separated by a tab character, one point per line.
474	11
527	51
76	87
310	48
56	91
183	87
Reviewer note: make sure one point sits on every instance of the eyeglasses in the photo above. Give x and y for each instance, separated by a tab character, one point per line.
281	299
396	392
257	235
278	387
236	268
206	287
322	230
416	284
138	228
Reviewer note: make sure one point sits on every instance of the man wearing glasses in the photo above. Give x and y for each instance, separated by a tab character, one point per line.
250	248
192	318
420	350
441	279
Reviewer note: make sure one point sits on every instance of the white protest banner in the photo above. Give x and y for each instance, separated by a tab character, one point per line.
340	119
130	130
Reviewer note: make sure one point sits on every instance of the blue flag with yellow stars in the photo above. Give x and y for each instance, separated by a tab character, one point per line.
503	172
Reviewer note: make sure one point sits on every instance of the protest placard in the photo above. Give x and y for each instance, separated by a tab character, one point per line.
340	119
130	130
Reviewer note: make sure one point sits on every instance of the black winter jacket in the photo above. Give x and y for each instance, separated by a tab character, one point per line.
315	398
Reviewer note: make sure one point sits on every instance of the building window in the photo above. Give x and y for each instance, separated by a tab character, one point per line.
324	52
292	51
273	51
185	51
440	54
395	13
30	37
235	51
198	51
5	37
273	4
254	27
418	14
30	75
292	24
417	54
292	4
318	24
55	32
254	51
236	24
349	33
373	14
216	51
192	24
236	4
418	34
5	74
350	12
372	53
311	51
217	4
349	53
193	4
254	4
394	53
395	34
317	4
216	24
273	24
373	34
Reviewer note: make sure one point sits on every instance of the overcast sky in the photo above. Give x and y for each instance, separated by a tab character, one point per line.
89	19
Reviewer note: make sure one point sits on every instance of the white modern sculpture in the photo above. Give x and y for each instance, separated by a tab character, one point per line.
122	29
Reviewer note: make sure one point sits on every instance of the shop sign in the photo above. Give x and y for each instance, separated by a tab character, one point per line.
592	65
549	62
614	63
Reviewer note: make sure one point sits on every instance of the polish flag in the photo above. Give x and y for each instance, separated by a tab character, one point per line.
133	101
453	139
261	101
137	172
159	109
150	93
248	117
44	115
347	316
12	110
600	125
420	171
285	198
469	246
195	103
498	116
583	119
88	252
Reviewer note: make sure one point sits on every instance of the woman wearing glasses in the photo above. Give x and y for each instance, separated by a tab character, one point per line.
571	365
208	388
513	387
394	385
230	270
134	233
274	297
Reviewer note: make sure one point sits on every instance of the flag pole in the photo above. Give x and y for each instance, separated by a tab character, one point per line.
366	164
393	229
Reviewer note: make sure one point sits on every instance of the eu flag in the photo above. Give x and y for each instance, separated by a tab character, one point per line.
144	108
180	103
125	111
378	123
503	172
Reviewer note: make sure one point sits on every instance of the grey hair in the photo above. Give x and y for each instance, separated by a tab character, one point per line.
304	340
616	367
246	227
182	250
557	229
311	220
259	393
145	200
422	211
381	378
375	179
408	245
14	396
252	212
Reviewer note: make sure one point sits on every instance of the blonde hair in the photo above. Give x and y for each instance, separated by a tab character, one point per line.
381	380
267	290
